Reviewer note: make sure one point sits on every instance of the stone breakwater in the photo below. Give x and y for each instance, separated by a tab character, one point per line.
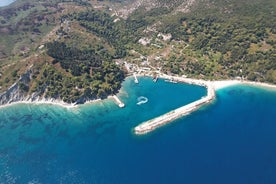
152	124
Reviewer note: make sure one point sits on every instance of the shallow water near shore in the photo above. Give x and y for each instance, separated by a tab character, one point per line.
230	141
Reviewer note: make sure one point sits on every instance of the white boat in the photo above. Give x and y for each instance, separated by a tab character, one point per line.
171	80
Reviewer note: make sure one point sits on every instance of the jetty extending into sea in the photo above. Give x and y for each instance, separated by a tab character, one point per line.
135	78
118	101
152	124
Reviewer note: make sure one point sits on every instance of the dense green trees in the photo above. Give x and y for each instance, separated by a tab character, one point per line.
244	39
91	77
119	34
103	25
73	59
221	44
221	40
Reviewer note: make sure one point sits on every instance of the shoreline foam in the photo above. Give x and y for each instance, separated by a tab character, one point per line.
53	102
226	83
42	101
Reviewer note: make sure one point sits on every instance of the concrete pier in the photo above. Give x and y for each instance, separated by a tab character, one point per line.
118	101
152	124
135	78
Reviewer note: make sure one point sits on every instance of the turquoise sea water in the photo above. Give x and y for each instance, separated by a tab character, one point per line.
232	140
6	2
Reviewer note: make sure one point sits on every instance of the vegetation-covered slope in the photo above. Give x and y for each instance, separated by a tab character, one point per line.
69	63
225	39
71	46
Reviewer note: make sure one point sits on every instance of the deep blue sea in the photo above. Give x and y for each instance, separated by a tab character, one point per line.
233	140
6	2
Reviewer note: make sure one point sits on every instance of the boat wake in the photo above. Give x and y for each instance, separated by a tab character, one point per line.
141	100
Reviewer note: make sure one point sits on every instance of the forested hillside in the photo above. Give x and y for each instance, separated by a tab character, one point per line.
68	63
71	47
225	39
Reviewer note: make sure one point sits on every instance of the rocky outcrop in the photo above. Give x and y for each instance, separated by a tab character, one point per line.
16	94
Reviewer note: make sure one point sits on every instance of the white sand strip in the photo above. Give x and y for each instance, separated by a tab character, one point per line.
224	83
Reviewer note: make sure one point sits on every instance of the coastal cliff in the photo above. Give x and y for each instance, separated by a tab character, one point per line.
16	92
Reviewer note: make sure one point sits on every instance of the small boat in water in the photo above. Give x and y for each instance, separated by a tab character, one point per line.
171	80
155	78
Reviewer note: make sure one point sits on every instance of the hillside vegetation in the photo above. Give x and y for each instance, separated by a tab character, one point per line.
71	46
68	63
225	39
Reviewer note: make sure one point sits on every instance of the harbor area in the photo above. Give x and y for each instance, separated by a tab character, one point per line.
157	122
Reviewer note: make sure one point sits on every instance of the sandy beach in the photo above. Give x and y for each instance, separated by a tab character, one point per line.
226	83
223	84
